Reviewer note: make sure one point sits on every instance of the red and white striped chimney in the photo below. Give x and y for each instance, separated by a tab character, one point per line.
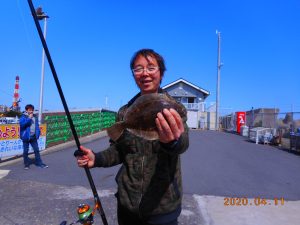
16	93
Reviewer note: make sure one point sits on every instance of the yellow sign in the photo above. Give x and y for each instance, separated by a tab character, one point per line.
12	145
12	131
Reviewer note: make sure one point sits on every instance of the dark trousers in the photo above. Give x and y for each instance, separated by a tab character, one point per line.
128	218
35	146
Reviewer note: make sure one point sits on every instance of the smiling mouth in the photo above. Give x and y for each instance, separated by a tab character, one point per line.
146	81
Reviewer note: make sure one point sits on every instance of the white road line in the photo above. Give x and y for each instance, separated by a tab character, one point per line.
187	213
78	192
252	211
3	173
202	204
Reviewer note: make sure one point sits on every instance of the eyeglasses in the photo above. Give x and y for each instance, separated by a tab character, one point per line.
149	70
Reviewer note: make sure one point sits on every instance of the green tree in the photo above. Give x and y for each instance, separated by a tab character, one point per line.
12	113
288	118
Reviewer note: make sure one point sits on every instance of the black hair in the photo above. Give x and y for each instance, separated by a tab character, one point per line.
146	53
29	106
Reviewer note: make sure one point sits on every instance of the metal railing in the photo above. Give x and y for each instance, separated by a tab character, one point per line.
194	106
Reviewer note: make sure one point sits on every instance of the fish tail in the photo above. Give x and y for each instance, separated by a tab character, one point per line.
116	130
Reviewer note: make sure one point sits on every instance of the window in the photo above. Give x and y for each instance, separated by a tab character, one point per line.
178	99
191	100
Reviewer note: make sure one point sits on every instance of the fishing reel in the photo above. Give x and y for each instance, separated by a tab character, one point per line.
85	215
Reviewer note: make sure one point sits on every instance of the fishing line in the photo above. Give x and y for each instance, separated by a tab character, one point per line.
6	93
24	24
5	98
98	204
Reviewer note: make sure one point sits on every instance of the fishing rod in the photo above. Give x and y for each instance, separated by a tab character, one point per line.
78	152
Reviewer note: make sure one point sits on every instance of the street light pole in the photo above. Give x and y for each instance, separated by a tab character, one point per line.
42	16
217	126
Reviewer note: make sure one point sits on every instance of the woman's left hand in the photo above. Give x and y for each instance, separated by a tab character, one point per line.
169	125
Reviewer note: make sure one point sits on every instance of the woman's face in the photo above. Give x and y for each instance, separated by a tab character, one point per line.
147	74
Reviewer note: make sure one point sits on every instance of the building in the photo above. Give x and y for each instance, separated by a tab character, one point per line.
193	98
3	108
262	117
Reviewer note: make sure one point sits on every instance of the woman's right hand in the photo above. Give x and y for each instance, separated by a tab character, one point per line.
88	159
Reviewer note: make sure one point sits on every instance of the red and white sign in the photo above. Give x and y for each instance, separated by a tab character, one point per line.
240	120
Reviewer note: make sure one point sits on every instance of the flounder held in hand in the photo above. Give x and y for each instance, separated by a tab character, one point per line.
139	118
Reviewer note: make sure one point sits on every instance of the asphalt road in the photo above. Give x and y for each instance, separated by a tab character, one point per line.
224	164
216	165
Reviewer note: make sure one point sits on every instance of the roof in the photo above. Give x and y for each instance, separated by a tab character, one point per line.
187	83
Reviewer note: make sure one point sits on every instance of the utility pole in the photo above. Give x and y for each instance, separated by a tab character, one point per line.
217	125
42	16
292	115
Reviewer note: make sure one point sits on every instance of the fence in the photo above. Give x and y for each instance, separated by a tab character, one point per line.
88	122
286	124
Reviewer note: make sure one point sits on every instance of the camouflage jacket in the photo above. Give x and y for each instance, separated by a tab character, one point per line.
149	180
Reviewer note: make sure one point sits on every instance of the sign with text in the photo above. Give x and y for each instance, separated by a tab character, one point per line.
12	145
240	120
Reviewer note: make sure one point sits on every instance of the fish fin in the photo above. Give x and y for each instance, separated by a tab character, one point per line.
147	134
116	130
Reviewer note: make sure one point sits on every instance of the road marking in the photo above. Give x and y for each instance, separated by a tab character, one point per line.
202	204
186	212
78	192
214	212
3	173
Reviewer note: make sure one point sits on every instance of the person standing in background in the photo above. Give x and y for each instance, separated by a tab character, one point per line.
29	134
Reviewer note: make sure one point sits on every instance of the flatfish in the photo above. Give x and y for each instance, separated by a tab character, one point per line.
139	118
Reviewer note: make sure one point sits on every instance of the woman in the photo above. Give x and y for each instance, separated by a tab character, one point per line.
149	180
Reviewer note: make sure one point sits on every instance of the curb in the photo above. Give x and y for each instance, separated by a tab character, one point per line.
58	147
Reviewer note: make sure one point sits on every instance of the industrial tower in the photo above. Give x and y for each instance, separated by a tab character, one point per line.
16	99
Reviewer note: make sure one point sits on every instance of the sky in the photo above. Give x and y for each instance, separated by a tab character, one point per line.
91	43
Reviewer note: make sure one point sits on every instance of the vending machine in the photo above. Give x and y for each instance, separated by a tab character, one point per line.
240	121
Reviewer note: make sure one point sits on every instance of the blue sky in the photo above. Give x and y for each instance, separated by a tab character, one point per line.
91	43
